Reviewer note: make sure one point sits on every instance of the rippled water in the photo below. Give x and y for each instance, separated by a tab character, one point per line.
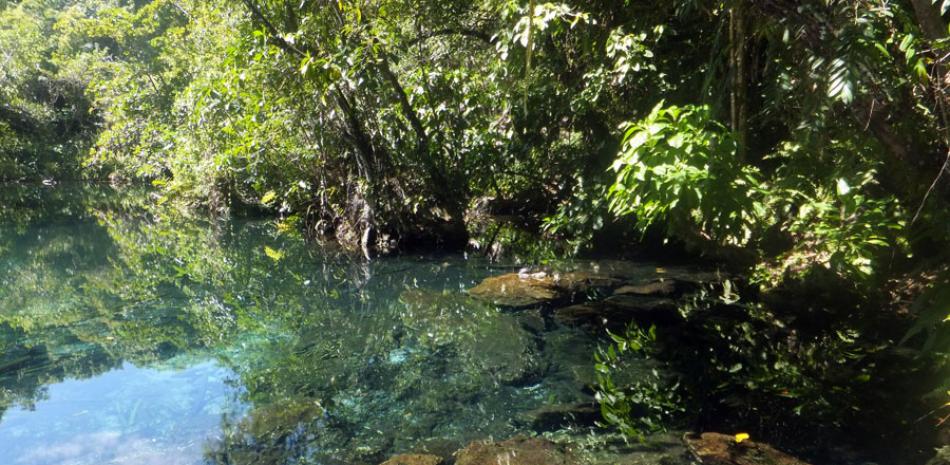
136	335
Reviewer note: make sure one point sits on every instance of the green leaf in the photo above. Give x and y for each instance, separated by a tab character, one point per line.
274	255
677	140
843	187
268	197
637	140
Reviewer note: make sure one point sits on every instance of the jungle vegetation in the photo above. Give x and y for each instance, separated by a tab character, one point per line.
802	144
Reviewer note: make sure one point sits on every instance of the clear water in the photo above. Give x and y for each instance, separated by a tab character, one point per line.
132	334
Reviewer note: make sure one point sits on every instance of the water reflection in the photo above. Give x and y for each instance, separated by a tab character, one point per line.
130	333
127	416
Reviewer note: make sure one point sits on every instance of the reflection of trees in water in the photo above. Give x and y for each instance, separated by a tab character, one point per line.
336	359
70	304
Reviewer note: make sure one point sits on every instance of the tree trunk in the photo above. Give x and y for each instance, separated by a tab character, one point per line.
445	190
929	19
739	98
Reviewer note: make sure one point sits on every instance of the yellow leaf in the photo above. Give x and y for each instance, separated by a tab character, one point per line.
742	437
268	197
274	255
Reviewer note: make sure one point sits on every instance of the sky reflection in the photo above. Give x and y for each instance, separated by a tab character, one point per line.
133	415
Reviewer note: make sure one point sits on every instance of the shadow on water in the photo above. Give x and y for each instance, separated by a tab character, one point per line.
130	334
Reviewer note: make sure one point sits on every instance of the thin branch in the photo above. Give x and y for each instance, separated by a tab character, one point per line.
933	186
471	33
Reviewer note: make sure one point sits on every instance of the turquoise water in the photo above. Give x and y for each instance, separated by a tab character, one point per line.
134	334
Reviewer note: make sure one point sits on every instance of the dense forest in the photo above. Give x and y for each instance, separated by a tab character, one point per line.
801	146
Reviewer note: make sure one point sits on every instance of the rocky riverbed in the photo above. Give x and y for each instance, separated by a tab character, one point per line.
696	449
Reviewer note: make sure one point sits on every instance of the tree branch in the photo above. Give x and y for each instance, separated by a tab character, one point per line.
274	34
470	33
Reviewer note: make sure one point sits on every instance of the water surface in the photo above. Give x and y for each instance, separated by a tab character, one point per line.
133	334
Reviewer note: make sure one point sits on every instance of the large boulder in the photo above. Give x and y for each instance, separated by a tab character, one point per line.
413	459
517	451
723	449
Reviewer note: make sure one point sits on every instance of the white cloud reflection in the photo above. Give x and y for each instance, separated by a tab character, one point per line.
112	448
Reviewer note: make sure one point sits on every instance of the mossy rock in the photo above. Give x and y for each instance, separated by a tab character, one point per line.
413	459
723	449
517	451
525	290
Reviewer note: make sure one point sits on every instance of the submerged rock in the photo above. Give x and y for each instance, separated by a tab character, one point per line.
521	290
587	313
517	290
942	457
617	310
530	289
722	449
662	287
517	451
484	341
413	459
554	417
616	449
639	304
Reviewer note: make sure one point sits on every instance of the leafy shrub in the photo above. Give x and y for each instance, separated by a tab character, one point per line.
642	406
679	167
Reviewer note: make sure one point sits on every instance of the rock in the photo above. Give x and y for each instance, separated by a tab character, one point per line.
568	353
643	309
663	287
413	459
571	282
695	277
654	449
462	324
554	417
521	290
280	419
618	310
942	457
639	272
532	321
438	446
516	451
722	449
517	290
581	314
527	289
637	304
